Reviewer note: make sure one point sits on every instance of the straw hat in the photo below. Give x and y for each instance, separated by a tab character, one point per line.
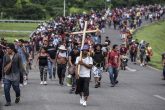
62	47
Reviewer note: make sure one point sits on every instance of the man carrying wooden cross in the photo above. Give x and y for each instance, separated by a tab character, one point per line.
84	64
83	77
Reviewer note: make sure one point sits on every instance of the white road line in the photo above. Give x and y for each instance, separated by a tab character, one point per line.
130	69
160	97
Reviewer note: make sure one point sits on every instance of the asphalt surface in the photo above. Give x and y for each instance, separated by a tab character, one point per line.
139	90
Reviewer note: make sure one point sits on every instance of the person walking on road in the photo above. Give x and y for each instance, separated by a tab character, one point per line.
61	58
51	66
133	51
84	76
42	60
113	64
12	76
72	59
24	58
98	63
142	55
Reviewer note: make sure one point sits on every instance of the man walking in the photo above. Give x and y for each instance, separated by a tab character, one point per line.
72	59
113	64
24	57
12	77
84	76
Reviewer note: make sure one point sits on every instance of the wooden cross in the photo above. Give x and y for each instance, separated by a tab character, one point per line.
83	39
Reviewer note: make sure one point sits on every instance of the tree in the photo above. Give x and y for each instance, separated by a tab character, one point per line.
7	3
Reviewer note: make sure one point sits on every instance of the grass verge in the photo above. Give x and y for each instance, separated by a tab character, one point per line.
155	35
11	36
18	26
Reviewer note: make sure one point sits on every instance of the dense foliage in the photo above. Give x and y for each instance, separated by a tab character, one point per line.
42	9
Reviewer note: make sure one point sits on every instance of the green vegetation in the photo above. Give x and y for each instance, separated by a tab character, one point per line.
11	36
18	26
155	35
44	9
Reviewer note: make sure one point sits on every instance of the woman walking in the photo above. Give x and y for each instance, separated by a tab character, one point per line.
61	63
42	60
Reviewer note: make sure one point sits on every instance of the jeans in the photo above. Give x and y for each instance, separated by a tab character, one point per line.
51	69
7	86
113	74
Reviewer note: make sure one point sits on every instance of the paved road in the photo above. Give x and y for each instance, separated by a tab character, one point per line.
140	90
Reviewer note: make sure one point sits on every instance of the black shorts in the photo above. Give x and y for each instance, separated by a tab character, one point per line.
83	86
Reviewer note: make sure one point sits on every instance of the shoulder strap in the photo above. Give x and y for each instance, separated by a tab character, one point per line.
12	57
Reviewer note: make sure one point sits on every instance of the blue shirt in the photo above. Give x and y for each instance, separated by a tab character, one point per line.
22	54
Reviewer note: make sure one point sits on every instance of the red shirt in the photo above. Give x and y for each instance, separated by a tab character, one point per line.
133	48
113	59
123	50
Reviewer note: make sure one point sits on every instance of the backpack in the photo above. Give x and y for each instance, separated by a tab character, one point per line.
142	49
98	58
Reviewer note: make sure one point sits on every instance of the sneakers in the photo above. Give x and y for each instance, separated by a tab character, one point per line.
25	83
8	104
113	85
84	103
17	100
21	85
96	86
45	83
41	82
82	100
72	91
116	82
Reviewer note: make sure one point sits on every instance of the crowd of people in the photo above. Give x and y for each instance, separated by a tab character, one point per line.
55	48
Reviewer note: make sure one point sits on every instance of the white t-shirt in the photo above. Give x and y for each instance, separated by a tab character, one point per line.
84	72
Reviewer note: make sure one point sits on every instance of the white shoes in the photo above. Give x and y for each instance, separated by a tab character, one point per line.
83	102
21	85
25	83
45	83
41	82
